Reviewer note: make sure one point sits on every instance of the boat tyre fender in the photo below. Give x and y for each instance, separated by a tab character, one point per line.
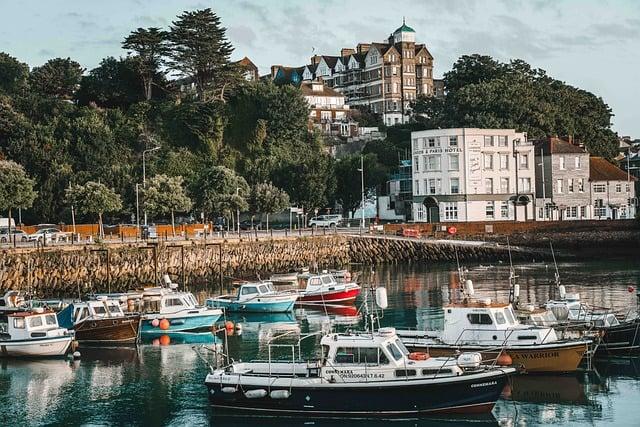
419	355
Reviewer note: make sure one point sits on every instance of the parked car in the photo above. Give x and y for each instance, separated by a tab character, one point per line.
219	224
18	235
43	234
325	221
247	224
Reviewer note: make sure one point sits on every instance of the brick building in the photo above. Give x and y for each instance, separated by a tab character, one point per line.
327	110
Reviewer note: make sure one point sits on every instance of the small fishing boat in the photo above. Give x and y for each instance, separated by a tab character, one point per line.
33	334
166	311
493	329
259	297
323	288
100	321
12	301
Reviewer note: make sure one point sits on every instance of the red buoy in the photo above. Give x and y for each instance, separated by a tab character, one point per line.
418	355
164	324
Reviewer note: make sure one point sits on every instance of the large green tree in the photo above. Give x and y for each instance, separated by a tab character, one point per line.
482	92
219	190
94	198
57	77
13	74
201	52
149	46
166	195
349	179
115	83
16	188
266	198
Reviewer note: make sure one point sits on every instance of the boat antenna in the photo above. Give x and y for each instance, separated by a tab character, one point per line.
512	275
555	265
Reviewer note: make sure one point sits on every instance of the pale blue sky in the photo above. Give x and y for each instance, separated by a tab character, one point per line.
593	44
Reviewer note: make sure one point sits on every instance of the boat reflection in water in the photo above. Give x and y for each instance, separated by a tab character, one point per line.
569	389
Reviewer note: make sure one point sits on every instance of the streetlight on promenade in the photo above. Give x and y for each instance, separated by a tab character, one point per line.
361	170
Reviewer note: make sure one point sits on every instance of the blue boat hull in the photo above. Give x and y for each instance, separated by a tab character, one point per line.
178	323
253	307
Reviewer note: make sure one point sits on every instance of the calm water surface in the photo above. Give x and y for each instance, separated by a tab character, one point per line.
161	383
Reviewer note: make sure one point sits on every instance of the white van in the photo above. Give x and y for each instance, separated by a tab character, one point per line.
4	223
325	221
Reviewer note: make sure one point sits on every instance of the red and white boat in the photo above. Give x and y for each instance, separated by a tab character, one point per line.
323	288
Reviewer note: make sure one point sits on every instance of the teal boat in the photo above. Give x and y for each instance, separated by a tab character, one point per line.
259	297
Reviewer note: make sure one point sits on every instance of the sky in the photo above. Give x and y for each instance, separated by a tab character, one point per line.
591	44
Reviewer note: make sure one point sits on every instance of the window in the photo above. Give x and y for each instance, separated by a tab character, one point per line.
504	161
500	320
627	188
572	212
524	161
405	372
424	163
264	290
510	317
581	185
432	186
600	210
416	163
368	355
504	185
577	162
488	141
18	322
503	141
562	164
455	185
525	184
434	142
434	371
450	211
488	161
599	188
453	141
35	322
433	163
175	302
479	319
395	353
488	185
618	188
504	210
99	310
416	189
570	185
51	319
489	212
583	211
559	186
454	162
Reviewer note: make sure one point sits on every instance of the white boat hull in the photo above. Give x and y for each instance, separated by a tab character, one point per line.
45	347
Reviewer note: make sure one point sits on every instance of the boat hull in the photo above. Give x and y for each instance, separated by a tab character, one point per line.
119	330
347	296
41	347
394	399
559	358
178	323
620	340
253	306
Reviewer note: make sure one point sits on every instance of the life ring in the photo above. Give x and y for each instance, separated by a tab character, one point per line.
418	355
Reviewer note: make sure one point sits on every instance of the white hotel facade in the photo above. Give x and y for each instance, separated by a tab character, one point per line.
467	174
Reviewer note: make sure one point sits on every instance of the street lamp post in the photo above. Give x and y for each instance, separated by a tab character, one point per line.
144	174
138	209
362	188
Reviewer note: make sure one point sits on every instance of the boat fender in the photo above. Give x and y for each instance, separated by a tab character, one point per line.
76	354
238	327
418	355
381	297
504	360
229	390
279	394
164	324
155	323
255	394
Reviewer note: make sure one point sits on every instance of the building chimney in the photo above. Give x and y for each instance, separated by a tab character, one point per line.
315	59
346	51
274	70
363	47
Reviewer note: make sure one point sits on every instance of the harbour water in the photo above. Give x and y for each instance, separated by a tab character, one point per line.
161	382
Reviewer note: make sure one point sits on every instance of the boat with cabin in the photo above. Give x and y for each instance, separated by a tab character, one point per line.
33	334
492	328
255	297
101	321
12	301
324	288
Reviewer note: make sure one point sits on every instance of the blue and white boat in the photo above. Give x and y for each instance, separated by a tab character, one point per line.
166	311
259	297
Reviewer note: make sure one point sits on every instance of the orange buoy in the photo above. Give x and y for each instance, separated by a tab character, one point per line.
164	324
165	340
504	360
228	325
419	355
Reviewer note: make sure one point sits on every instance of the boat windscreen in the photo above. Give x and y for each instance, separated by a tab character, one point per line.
395	353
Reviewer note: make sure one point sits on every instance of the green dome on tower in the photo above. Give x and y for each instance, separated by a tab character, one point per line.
405	28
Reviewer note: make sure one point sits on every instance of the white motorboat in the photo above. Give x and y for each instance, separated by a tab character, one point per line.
33	334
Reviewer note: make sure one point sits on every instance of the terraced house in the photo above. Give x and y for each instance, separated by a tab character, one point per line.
385	77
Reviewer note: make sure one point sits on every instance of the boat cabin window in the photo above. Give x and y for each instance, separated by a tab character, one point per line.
500	320
2	302
18	322
509	314
152	305
84	312
325	352
367	355
263	289
435	371
405	372
114	309
395	353
99	310
401	346
527	337
51	319
248	290
327	280
173	302
35	322
479	319
315	281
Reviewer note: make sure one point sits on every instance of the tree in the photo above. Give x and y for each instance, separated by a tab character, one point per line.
94	198
115	83
349	180
165	194
201	52
150	46
218	190
57	77
16	188
268	199
13	74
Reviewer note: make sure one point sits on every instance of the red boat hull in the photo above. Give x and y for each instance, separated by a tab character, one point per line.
347	296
